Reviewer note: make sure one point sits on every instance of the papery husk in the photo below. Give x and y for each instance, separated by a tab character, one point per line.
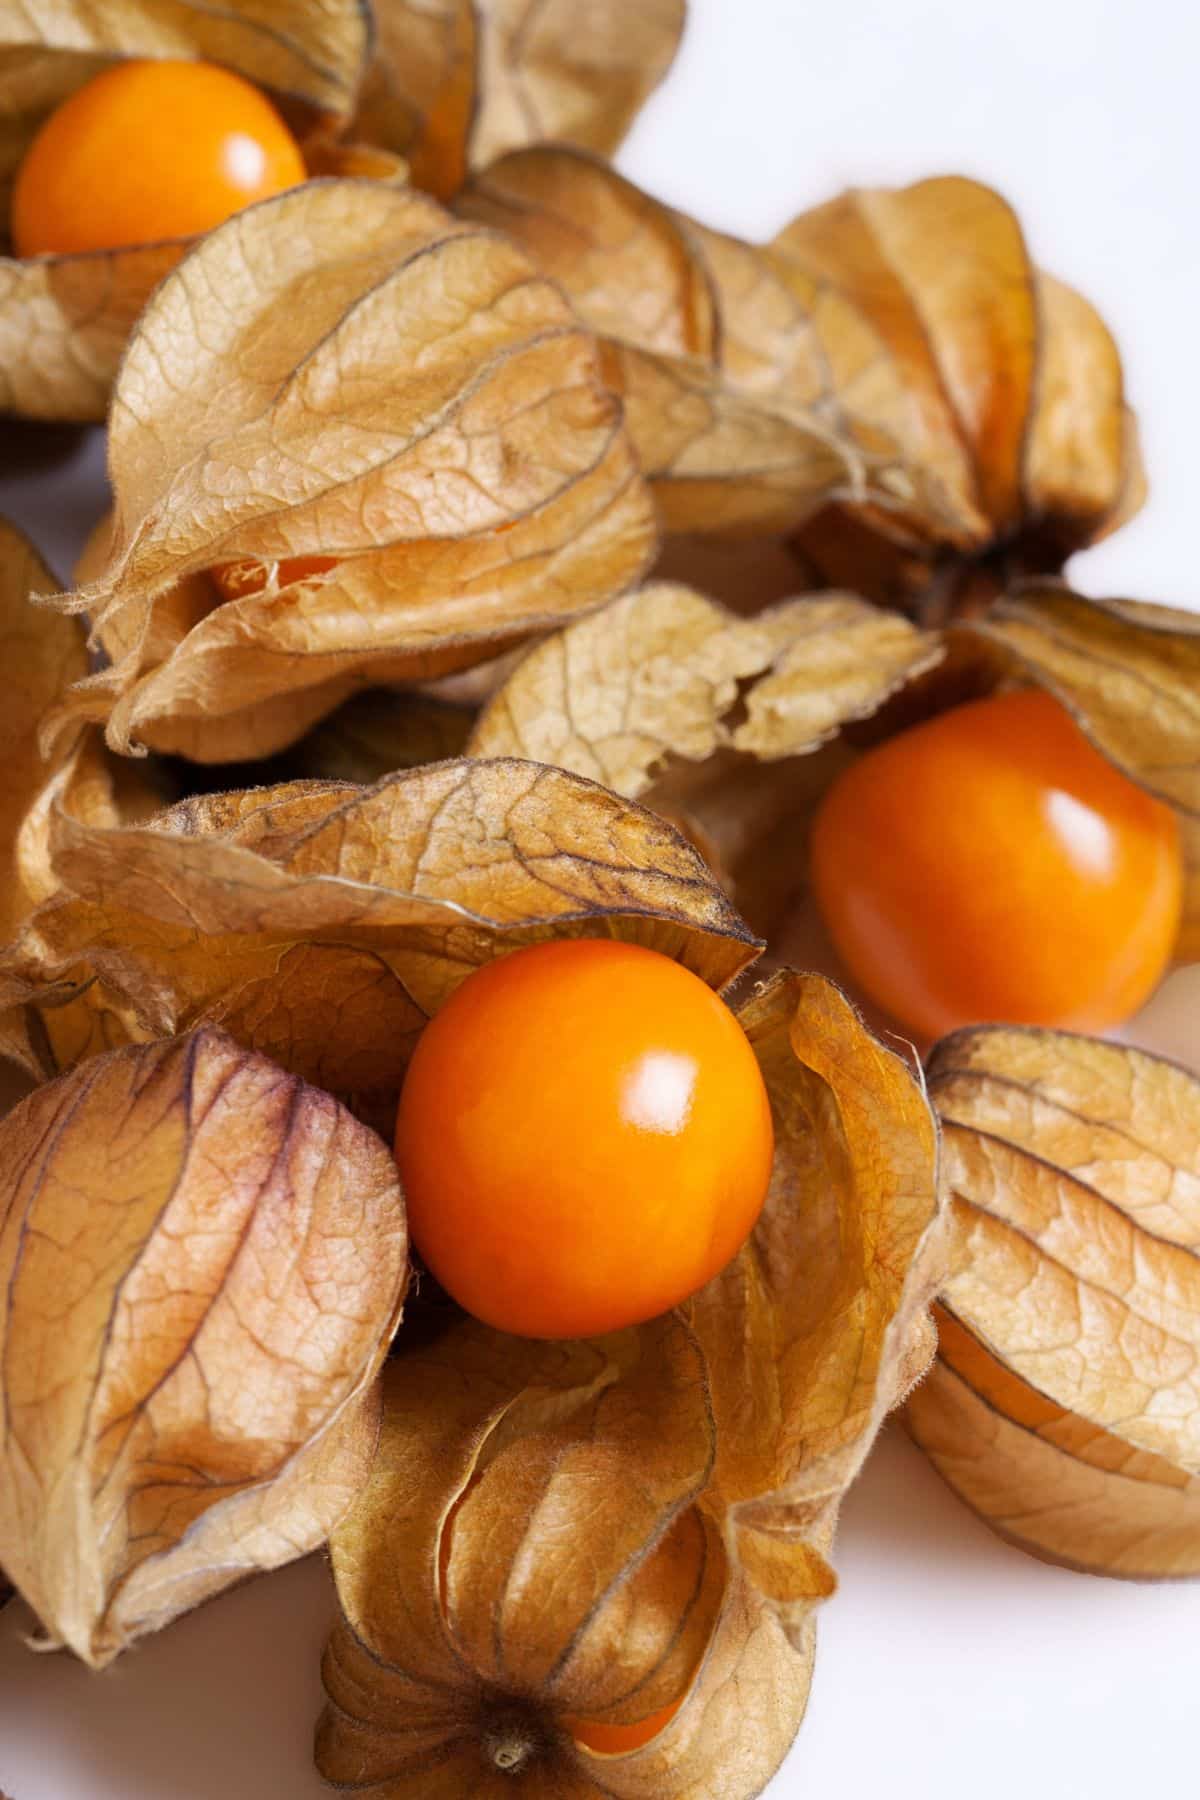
593	1530
728	726
399	392
731	430
1064	1404
314	54
322	924
976	403
1012	385
735	727
203	1263
44	653
64	324
457	82
667	674
65	320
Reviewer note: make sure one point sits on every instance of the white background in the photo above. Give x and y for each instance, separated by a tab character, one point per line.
950	1667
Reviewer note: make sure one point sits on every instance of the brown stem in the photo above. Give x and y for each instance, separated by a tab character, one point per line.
510	1748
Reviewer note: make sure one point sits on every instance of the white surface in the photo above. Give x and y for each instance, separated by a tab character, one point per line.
1084	113
951	1667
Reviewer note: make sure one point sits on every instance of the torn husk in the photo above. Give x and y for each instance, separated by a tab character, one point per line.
734	727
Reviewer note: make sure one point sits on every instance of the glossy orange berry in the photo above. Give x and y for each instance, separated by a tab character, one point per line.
584	1138
991	865
237	580
619	1740
146	152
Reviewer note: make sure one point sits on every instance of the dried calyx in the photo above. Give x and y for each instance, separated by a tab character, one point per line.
252	910
203	1262
371	90
723	396
592	1567
1064	1404
454	84
734	728
64	320
976	403
414	445
322	924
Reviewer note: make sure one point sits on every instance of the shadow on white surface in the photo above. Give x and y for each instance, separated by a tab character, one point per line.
949	1664
221	1706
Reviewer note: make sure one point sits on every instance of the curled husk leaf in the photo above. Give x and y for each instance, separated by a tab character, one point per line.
1064	1406
726	725
666	673
996	379
599	1530
322	924
203	1262
64	320
729	428
64	323
735	727
456	82
401	395
976	404
44	653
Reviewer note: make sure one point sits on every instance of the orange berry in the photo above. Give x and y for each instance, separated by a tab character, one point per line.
584	1138
992	866
618	1740
237	580
146	152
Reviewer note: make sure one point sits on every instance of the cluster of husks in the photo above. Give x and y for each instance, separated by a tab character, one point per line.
890	378
601	1531
370	91
211	988
471	425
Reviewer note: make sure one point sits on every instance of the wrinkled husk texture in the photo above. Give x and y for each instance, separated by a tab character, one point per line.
598	1530
64	320
977	404
1063	1407
495	404
455	83
734	727
319	922
400	393
203	1262
370	89
322	924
